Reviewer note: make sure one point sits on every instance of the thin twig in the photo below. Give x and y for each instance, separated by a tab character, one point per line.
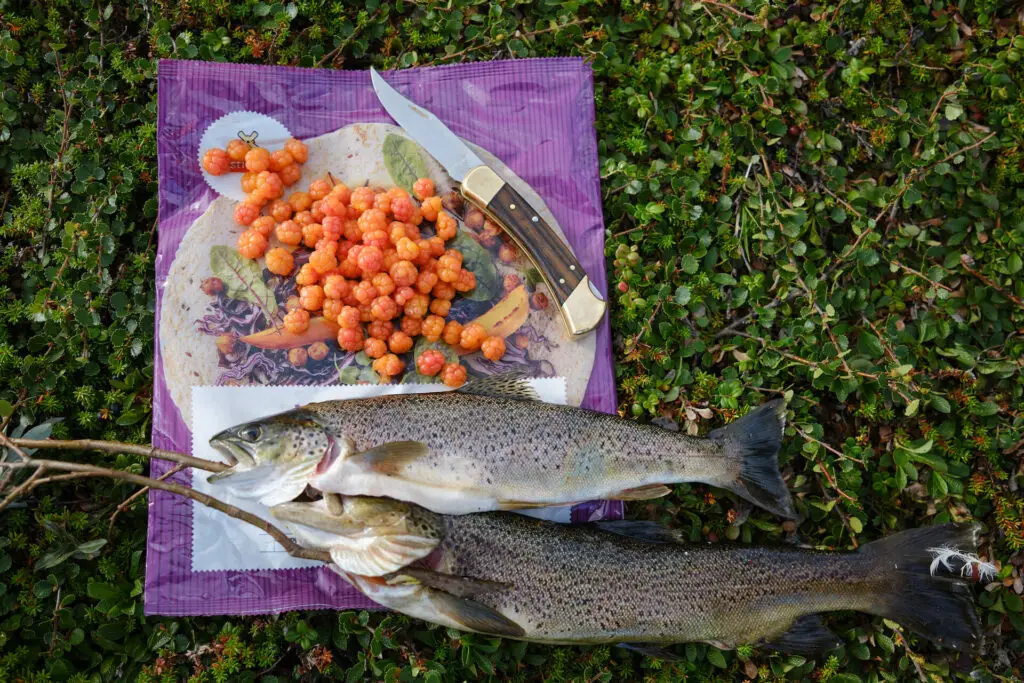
135	496
525	34
722	5
985	279
120	447
22	488
921	275
834	451
290	546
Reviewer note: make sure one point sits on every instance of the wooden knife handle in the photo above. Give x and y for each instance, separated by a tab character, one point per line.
578	300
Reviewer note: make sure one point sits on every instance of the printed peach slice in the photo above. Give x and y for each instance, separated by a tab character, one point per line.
320	329
506	316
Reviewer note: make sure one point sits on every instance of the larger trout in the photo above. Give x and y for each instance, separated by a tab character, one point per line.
509	575
493	446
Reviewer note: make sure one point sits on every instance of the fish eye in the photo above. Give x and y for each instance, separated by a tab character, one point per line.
250	433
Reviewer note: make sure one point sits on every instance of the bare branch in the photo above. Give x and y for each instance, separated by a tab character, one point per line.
118	447
135	496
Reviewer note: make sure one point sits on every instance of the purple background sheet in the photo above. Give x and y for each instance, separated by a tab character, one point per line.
536	115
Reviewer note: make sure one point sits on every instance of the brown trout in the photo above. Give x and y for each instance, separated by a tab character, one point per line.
635	583
492	446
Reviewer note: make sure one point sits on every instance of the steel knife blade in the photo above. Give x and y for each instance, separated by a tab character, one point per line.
580	303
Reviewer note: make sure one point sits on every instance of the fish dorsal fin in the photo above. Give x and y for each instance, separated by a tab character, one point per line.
807	635
652	532
390	458
652	651
641	492
459	586
379	555
515	384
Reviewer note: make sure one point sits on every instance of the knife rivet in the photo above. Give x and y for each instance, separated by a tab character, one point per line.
561	280
512	206
534	219
572	267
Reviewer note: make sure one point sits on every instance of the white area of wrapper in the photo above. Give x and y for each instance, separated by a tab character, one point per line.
270	134
222	543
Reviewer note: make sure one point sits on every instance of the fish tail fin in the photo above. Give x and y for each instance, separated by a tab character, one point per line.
754	440
939	608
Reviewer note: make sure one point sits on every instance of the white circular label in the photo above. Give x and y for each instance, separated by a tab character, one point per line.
257	130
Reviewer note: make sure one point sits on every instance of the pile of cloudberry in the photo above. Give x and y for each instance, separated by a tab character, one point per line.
370	270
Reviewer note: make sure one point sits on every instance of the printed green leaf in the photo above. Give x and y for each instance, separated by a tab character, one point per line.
479	261
404	161
242	278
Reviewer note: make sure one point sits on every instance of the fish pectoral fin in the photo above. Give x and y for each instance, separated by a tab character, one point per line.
515	384
807	635
652	651
474	616
459	586
380	555
390	458
642	492
652	532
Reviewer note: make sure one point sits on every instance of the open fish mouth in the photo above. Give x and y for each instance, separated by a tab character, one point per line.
233	452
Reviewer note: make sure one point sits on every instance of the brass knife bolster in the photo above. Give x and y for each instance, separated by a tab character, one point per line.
579	302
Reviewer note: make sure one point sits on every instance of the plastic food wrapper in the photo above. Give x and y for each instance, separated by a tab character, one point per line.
531	120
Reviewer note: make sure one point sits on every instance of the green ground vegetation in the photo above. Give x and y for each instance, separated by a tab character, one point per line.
821	200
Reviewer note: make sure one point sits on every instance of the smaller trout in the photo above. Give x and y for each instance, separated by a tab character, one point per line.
492	445
634	583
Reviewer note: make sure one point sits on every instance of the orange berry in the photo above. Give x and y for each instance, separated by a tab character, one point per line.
300	201
466	281
396	231
453	375
297	150
237	149
332	308
436	246
389	365
433	327
373	220
280	159
431	208
430	362
390	259
348	317
297	321
265	224
493	348
402	209
424	256
316	209
365	292
396	192
351	338
417	216
298	356
384	308
452	333
327	246
443	290
307	275
252	244
384	284
333	226
249	182
318	189
350	269
280	210
380	329
280	261
407	249
404	273
257	198
403	295
303	218
375	348
336	286
323	261
426	282
382	202
312	297
539	301
333	206
377	238
440	307
289	233
290	175
311	234
399	342
366	316
417	306
361	199
216	161
341	191
423	188
257	159
269	185
446	226
472	336
317	350
412	326
246	213
370	259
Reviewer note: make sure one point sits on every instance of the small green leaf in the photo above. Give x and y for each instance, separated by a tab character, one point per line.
940	404
911	409
984	409
690	265
682	296
716	657
954	111
403	159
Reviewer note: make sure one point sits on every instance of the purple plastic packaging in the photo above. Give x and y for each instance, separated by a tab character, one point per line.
536	115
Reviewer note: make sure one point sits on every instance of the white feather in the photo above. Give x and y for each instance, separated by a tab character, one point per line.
945	556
